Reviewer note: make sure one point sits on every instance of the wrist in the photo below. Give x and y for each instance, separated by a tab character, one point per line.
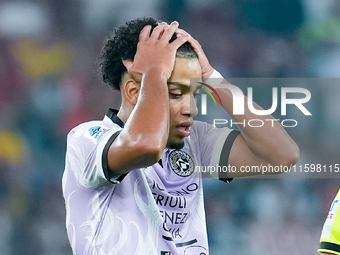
207	73
214	79
154	76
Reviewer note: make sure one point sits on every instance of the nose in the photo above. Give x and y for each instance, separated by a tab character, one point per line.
189	106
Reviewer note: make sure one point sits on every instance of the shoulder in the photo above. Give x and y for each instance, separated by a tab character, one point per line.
201	124
200	127
92	130
203	130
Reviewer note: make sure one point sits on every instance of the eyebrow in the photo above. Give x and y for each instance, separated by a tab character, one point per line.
177	84
182	85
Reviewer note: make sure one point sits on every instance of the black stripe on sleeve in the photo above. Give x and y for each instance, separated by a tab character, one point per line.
224	158
330	246
104	160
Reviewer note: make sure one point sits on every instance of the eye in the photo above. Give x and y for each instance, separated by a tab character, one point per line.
175	94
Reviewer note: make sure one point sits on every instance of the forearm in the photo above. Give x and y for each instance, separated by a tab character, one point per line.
145	133
149	119
270	142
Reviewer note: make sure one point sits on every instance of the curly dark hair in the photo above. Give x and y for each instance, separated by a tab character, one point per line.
121	44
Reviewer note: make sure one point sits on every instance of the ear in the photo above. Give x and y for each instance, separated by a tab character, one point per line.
131	91
128	64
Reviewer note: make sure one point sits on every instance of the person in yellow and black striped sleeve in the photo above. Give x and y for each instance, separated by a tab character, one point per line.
330	235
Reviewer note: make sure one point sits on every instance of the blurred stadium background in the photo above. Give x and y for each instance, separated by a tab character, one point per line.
48	50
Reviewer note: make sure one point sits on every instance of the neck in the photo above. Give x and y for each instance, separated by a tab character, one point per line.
124	113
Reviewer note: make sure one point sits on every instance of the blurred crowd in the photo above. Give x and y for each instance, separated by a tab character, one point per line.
49	83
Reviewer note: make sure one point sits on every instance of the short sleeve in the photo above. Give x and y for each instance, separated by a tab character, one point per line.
213	145
85	147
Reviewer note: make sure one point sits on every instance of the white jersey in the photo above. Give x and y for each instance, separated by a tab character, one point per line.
156	210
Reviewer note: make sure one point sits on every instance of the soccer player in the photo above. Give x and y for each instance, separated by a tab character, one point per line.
130	184
330	235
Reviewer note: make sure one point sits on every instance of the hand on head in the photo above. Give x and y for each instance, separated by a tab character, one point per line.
207	69
154	52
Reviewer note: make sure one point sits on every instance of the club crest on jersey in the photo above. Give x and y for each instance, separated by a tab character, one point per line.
181	163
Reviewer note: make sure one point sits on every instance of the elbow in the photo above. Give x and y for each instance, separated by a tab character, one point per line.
296	157
288	157
292	156
152	153
127	153
148	152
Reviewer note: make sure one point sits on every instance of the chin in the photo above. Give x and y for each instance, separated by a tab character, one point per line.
175	145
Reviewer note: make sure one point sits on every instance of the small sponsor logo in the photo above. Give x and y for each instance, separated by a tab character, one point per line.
96	132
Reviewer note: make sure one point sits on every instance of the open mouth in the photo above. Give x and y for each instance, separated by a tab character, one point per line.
184	128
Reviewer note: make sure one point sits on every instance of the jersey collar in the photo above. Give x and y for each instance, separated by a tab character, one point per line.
112	114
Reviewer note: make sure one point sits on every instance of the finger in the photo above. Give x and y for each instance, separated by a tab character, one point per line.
199	51
180	31
161	34
145	33
158	31
195	44
203	60
169	31
127	63
181	39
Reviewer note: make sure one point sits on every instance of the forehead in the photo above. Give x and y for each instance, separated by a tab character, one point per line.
186	71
